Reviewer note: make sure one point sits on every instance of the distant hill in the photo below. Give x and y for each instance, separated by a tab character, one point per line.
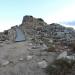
70	23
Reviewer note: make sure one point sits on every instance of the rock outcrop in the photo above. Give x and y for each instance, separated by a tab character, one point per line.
37	29
60	33
42	46
30	24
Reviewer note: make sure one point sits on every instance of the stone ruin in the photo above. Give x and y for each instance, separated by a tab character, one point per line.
32	26
59	33
14	34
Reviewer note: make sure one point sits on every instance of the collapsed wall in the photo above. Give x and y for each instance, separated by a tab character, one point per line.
12	34
15	34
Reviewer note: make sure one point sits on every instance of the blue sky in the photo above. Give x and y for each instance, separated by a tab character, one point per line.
12	11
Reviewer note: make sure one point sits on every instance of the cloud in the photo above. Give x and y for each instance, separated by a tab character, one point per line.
65	14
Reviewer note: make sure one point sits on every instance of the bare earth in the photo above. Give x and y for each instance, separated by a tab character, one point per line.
20	59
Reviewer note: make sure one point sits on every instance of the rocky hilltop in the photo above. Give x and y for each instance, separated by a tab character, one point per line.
37	29
54	33
37	48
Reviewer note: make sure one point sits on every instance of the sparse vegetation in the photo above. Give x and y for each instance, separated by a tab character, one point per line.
72	46
51	49
40	19
60	67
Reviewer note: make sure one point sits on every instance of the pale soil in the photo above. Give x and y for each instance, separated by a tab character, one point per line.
13	52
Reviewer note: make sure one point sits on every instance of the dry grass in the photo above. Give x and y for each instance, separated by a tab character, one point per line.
60	67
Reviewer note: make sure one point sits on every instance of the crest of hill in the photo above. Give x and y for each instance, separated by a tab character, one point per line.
31	22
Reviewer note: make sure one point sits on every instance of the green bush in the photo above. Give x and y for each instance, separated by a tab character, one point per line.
60	67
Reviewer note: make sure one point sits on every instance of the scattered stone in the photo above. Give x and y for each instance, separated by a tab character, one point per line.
35	47
42	64
21	59
29	57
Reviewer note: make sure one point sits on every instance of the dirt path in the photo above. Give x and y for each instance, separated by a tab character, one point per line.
23	60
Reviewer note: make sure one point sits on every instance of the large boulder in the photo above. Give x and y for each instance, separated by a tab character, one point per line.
62	55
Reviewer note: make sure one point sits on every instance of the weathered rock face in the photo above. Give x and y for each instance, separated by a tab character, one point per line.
30	24
60	33
36	27
12	34
15	34
3	36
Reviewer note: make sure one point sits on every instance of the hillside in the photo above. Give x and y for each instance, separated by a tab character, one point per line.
29	48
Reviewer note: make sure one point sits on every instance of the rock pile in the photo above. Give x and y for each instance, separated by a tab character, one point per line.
60	33
3	37
37	26
37	29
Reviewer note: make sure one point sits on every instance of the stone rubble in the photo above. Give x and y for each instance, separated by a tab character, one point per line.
36	27
40	37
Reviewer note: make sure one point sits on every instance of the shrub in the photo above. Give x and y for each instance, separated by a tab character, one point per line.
72	46
40	19
60	67
51	49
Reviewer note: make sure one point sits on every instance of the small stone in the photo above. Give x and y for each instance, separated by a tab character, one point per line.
35	47
4	62
29	57
42	64
51	41
30	44
44	53
21	59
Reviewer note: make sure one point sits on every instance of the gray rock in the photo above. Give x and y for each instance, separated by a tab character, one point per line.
62	55
4	62
45	53
21	59
42	64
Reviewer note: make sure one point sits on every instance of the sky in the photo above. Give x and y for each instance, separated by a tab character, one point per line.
57	11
